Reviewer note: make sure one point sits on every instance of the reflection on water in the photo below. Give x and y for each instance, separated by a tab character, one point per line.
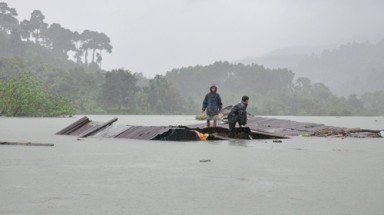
243	143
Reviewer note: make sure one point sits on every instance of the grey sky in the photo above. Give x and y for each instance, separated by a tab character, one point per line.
154	36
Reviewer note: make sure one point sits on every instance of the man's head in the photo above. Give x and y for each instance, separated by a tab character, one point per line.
245	99
213	88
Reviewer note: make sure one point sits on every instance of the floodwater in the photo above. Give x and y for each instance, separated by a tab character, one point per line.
301	175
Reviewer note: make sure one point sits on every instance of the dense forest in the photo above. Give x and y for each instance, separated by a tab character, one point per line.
49	70
272	91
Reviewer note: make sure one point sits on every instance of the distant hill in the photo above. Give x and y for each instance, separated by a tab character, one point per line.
354	68
289	57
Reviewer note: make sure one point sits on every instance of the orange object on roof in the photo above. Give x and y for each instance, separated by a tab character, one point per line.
201	136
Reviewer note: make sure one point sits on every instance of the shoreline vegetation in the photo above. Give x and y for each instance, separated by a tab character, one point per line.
48	70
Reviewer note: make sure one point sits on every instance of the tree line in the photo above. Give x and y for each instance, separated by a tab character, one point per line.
87	46
272	91
180	91
37	78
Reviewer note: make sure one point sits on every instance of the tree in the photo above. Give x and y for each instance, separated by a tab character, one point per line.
61	39
86	43
374	103
163	98
76	40
17	46
37	25
100	42
25	30
26	96
119	90
8	20
94	41
355	104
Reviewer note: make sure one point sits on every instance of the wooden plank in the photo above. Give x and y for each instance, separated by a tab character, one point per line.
26	144
74	126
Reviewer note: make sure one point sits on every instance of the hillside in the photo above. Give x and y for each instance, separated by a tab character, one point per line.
354	68
288	57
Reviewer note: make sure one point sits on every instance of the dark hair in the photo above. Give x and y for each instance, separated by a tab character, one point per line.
244	98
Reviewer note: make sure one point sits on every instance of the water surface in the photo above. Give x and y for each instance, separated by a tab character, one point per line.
120	176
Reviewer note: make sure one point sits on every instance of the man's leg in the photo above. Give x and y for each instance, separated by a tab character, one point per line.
208	123
231	129
214	123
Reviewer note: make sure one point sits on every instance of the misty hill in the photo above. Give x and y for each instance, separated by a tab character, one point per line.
354	68
288	57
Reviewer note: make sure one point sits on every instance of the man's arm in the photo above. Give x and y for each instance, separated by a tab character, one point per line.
205	103
242	115
219	104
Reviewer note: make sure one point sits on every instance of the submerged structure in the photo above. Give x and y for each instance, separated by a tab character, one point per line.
84	127
257	128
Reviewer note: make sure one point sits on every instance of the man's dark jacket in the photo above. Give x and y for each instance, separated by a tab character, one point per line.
238	114
212	102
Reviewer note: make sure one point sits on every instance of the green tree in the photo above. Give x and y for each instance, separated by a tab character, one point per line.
26	96
119	90
163	98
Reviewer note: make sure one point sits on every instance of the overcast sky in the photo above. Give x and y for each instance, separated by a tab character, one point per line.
154	36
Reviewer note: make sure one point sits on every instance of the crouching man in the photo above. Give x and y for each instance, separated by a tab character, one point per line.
238	114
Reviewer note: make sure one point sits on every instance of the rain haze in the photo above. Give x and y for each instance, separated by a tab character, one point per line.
295	125
153	37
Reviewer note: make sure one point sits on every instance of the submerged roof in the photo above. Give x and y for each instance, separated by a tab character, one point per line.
84	127
257	128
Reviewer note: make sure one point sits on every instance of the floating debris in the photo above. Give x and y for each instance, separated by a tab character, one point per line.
26	144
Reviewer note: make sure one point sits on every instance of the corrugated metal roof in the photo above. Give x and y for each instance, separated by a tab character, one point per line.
86	127
112	131
257	128
143	132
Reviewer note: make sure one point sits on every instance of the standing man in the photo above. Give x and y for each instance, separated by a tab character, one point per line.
238	114
212	102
